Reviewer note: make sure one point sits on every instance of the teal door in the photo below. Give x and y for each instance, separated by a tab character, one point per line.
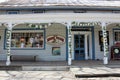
79	47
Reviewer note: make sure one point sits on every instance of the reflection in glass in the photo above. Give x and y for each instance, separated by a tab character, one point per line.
27	40
79	46
76	51
117	36
76	43
82	51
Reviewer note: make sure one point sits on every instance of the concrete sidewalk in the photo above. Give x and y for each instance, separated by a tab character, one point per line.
98	71
83	69
36	75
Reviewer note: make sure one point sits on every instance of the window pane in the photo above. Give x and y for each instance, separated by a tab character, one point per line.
27	39
117	36
12	12
38	11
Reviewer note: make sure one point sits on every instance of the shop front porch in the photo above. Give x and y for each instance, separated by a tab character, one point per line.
81	63
72	19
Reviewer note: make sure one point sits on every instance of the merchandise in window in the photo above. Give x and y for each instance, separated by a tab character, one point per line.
27	39
117	36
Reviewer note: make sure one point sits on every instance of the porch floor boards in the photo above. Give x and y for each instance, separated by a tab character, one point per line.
84	63
40	63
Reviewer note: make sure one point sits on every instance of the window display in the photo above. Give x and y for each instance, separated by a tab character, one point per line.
117	36
27	39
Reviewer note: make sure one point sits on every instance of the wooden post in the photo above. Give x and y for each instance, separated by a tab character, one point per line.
69	44
8	43
105	43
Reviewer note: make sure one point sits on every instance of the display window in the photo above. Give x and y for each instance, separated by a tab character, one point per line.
117	36
27	39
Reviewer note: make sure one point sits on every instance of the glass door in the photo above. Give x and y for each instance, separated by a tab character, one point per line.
79	47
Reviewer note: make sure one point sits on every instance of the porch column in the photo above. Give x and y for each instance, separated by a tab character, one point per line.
105	43
86	47
69	44
8	43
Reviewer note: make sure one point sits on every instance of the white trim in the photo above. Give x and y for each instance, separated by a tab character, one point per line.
69	43
105	44
8	52
90	46
60	17
86	47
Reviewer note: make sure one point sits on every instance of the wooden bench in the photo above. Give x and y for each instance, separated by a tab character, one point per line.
23	57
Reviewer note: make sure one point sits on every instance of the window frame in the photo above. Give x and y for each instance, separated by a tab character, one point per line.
116	30
26	48
38	11
13	12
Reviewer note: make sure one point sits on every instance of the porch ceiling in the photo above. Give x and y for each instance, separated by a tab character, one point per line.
60	17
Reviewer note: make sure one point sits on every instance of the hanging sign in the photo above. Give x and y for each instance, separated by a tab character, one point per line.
55	40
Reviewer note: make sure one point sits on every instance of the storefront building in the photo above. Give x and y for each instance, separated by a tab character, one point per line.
58	33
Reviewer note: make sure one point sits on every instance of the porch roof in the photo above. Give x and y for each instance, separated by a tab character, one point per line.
53	3
60	17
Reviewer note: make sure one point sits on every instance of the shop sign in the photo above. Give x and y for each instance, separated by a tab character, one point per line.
74	23
55	40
